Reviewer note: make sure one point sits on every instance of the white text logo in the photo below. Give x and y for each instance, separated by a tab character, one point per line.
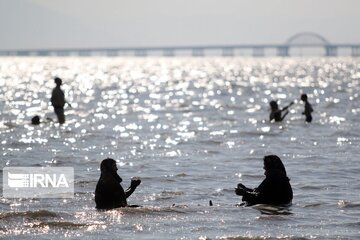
49	182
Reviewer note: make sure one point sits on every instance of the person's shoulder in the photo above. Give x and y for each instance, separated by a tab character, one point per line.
56	89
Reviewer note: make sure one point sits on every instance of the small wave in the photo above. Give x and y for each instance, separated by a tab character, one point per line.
353	224
60	224
182	175
345	204
171	193
213	152
84	183
28	214
165	195
9	124
175	208
262	238
312	205
273	210
30	227
211	142
311	188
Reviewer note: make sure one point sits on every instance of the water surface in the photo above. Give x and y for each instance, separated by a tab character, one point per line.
191	128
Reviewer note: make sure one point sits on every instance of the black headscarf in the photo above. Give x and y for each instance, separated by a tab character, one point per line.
107	169
273	163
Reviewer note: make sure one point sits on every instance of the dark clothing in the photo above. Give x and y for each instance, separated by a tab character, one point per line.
109	193
276	115
307	112
275	190
57	97
59	111
58	102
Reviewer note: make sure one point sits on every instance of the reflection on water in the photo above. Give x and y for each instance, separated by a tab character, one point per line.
191	128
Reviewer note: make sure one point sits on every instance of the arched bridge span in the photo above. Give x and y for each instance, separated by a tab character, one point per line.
299	40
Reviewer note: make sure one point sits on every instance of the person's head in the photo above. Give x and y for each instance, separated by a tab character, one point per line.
108	167
58	81
273	162
35	120
274	105
303	97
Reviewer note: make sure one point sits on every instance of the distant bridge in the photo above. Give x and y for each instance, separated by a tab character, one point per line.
303	40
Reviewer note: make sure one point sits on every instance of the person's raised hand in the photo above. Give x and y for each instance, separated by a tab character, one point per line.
240	191
134	183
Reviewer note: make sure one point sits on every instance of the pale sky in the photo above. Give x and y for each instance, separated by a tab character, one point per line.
44	24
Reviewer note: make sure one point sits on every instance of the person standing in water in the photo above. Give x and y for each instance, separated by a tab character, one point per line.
274	190
109	193
58	101
276	113
308	108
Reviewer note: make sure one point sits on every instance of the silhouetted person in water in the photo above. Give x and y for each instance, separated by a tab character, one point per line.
276	113
35	120
308	108
109	192
58	101
274	190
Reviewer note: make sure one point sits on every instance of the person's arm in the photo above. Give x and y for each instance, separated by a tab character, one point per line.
68	104
286	107
133	186
257	196
240	185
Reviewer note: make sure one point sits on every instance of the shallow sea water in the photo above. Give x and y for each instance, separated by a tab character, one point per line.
191	129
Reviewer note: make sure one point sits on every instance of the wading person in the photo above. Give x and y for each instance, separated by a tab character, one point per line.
307	109
274	190
276	114
58	101
109	193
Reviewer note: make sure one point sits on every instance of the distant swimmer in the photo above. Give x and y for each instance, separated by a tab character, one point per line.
35	120
274	190
308	108
276	113
58	101
109	193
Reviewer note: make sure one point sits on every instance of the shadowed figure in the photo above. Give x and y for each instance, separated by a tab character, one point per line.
308	108
109	193
274	190
58	101
35	120
276	113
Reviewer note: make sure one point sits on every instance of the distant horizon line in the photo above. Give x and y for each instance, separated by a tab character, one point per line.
318	41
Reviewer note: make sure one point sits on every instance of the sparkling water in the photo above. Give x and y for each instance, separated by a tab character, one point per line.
191	129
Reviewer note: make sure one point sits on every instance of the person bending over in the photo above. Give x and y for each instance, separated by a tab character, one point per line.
274	190
109	193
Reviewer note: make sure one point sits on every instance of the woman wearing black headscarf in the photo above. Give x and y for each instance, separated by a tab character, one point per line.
274	190
109	193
